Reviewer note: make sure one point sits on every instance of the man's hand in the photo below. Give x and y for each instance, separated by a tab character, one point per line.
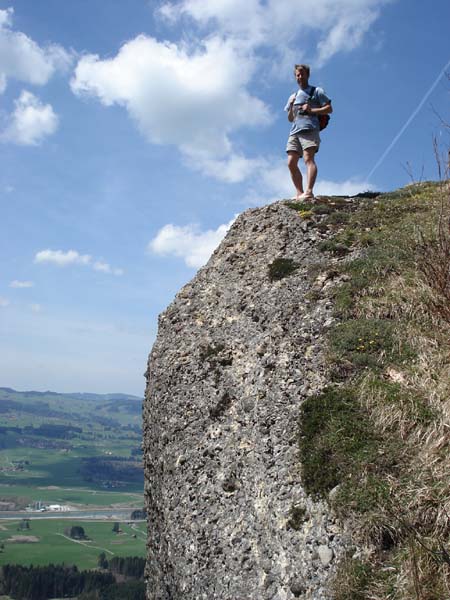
292	98
304	108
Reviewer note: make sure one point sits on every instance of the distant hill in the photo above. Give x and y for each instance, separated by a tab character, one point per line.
113	410
78	439
78	395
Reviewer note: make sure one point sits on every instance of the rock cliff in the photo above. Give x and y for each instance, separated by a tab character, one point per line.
237	352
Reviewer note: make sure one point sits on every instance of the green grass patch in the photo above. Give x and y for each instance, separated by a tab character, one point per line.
310	207
53	547
362	492
300	206
337	217
338	245
81	497
48	467
411	402
368	343
336	439
357	578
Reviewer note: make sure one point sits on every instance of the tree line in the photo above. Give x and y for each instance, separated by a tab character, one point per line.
52	581
61	581
113	468
130	566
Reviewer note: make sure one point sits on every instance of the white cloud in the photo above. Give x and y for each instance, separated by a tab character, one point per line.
234	168
284	24
277	180
62	259
347	33
106	268
23	59
30	122
21	284
191	97
349	187
231	17
72	257
276	184
188	242
6	17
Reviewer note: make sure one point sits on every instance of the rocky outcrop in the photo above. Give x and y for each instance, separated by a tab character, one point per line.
237	352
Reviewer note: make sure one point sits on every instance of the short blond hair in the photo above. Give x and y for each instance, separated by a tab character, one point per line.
304	67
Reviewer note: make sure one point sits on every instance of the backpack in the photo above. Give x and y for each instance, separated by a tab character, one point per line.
323	119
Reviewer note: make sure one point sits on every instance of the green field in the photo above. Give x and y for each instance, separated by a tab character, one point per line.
48	467
70	466
79	497
53	547
81	450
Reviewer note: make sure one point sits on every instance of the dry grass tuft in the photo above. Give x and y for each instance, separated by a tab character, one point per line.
434	257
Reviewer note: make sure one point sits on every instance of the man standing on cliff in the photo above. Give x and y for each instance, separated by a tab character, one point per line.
304	108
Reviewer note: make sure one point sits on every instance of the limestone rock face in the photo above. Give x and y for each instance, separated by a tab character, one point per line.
235	356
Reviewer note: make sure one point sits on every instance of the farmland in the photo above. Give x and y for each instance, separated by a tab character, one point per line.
46	542
75	450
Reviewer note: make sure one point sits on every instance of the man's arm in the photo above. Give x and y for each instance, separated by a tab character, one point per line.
326	109
291	114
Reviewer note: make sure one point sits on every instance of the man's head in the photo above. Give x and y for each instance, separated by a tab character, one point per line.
302	74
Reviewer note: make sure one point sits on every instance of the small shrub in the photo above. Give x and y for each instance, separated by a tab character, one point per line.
281	267
299	206
297	517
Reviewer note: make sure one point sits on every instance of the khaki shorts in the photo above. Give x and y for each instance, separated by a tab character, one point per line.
302	141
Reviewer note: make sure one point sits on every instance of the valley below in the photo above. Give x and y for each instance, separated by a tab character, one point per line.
70	460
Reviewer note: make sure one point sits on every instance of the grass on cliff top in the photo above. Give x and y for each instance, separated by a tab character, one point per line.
378	436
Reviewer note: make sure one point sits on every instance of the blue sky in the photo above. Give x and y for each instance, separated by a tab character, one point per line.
132	133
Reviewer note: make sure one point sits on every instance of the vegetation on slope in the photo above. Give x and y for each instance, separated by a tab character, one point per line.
378	436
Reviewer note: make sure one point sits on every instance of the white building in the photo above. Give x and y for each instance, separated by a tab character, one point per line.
58	508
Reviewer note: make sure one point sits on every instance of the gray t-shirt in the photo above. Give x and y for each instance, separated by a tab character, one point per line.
307	122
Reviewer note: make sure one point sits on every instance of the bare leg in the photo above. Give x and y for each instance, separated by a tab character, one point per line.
296	176
311	169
